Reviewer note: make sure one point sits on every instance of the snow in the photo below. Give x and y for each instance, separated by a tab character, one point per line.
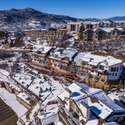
104	111
10	99
42	48
44	87
23	79
64	95
4	76
109	102
114	95
62	53
49	116
59	123
4	72
14	86
95	99
47	89
108	30
92	122
24	97
121	29
96	59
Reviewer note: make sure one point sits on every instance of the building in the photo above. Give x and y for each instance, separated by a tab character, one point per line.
7	115
102	69
88	35
120	23
92	24
82	105
98	30
26	100
73	26
35	24
108	65
101	34
46	34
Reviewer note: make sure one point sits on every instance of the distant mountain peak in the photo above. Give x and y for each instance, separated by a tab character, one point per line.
23	16
14	16
118	18
13	9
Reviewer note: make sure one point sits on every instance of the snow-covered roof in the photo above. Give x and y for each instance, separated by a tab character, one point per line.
97	101
64	95
62	53
107	101
23	79
91	22
108	30
120	21
106	21
94	60
43	49
4	76
103	110
92	122
14	86
75	23
4	72
119	28
24	97
11	100
99	108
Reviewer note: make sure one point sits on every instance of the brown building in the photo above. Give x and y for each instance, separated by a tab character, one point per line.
49	35
88	35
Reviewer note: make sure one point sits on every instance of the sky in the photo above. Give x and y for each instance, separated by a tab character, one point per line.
75	8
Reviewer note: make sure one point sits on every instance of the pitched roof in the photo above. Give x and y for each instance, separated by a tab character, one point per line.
6	112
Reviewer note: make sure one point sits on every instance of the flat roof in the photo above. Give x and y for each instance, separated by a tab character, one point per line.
94	60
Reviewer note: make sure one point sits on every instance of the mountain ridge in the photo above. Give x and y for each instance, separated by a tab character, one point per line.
13	16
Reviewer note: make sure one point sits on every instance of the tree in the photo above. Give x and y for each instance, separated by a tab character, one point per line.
80	35
3	34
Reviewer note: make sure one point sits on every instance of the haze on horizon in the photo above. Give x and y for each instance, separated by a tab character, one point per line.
74	8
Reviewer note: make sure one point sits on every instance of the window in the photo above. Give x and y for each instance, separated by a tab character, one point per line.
117	69
101	67
51	123
114	69
121	68
112	74
73	27
115	74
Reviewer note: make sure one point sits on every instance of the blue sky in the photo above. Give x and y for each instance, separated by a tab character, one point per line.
75	8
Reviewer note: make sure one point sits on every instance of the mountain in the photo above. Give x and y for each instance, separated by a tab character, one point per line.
118	18
23	15
18	17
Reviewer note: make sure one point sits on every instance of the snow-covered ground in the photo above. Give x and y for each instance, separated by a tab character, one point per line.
10	99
